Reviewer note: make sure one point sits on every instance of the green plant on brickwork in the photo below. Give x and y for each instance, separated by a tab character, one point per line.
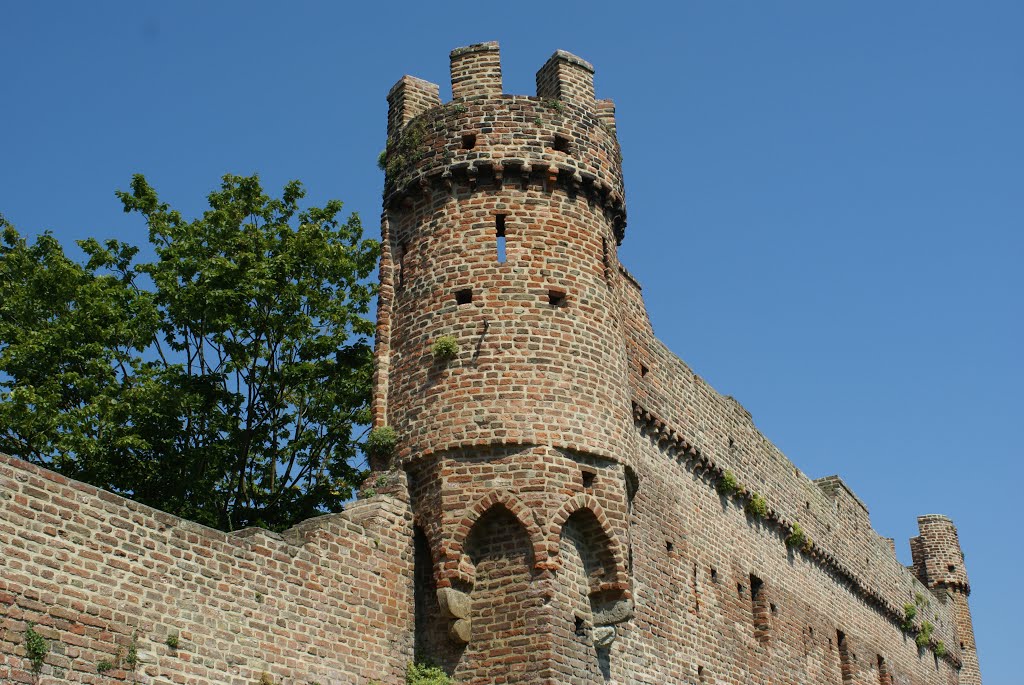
382	160
172	641
756	506
798	539
924	636
368	493
104	665
446	347
425	674
406	148
909	614
131	658
265	679
940	649
556	105
458	108
381	442
727	485
36	648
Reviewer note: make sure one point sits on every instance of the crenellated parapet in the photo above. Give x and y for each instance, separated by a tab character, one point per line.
561	138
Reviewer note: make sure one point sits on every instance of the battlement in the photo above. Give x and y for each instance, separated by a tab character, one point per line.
568	78
559	138
476	71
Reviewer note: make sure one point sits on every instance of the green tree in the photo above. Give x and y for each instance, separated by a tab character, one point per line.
224	381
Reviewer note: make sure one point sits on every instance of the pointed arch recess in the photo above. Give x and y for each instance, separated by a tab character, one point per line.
588	503
503	498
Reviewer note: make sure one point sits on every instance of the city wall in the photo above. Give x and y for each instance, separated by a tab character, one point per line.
101	577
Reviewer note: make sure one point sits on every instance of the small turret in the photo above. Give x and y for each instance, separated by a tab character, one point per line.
939	564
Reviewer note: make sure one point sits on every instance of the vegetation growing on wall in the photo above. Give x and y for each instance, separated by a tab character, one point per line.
36	649
425	674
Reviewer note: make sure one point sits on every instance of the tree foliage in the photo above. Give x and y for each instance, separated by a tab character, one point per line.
224	380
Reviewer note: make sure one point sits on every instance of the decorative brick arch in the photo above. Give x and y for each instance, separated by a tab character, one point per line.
515	506
588	503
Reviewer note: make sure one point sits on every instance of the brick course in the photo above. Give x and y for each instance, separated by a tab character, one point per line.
329	600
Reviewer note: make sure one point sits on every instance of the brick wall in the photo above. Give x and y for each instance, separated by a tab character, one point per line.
569	429
329	601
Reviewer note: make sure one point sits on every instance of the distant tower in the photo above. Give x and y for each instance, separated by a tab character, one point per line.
939	564
501	364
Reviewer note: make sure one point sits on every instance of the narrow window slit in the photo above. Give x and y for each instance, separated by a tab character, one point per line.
464	296
499	232
605	261
759	608
643	370
696	591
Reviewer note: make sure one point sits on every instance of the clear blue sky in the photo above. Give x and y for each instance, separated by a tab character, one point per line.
825	198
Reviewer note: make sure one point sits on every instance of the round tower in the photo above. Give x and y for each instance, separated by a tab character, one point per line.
939	564
503	213
501	363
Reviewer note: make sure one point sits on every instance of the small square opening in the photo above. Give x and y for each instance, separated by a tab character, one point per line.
556	298
644	370
464	296
588	479
561	144
468	141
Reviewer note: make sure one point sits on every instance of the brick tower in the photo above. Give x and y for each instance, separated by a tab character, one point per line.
501	365
939	564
